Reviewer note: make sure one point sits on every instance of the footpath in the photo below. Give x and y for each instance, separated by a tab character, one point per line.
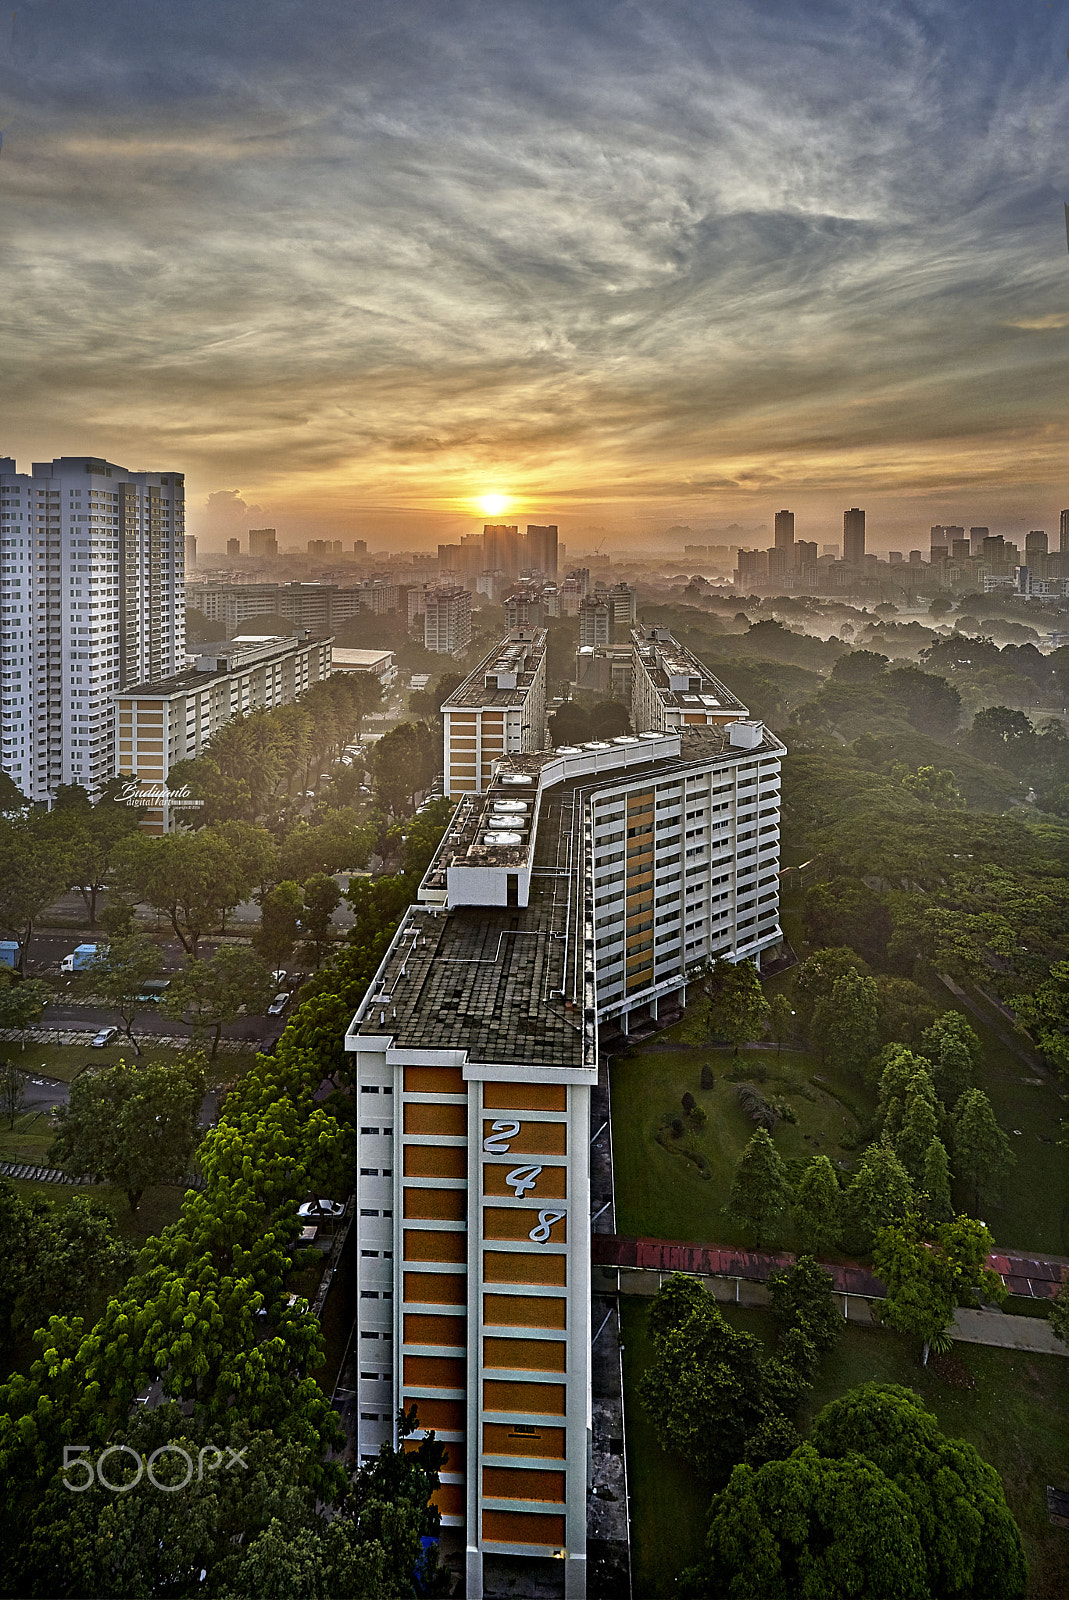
637	1266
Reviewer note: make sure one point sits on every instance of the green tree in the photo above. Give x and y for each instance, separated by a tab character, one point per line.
818	1207
1059	1310
780	1020
859	666
879	1194
936	786
934	1197
206	995
1046	1013
982	1154
1002	736
929	1269
609	719
21	1004
570	724
131	1124
738	1008
850	1531
72	1260
695	1027
321	899
702	1390
118	975
194	878
847	909
280	911
905	1010
969	1539
398	768
12	1090
33	872
803	1297
953	1048
815	978
847	1023
760	1193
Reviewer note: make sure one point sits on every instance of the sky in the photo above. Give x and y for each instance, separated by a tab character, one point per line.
354	264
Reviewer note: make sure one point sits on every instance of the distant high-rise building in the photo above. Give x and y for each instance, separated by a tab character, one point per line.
191	551
542	549
805	552
960	550
262	542
595	621
977	537
93	568
525	607
1036	542
752	567
915	559
784	530
894	557
831	550
501	549
233	547
447	620
854	536
359	547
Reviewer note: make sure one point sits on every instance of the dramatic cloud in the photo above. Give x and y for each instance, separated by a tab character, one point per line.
694	258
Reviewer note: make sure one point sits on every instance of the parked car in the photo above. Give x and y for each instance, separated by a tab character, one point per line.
104	1038
278	977
321	1208
278	1005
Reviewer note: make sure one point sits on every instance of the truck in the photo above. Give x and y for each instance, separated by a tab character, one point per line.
9	952
80	958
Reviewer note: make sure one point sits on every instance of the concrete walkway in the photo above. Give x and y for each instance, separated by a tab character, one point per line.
1007	1332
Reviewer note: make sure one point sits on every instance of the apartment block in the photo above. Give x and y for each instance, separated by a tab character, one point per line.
671	688
499	709
447	620
577	892
92	567
171	720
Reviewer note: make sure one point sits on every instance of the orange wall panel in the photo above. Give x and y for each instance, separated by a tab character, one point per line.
435	1080
538	1355
551	1183
523	1483
440	1205
435	1372
525	1096
436	1288
422	1327
447	1415
500	1222
525	1311
527	1399
515	1266
523	1527
502	1439
421	1244
534	1138
435	1161
441	1119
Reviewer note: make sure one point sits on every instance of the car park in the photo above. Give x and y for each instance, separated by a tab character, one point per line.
105	1037
278	1005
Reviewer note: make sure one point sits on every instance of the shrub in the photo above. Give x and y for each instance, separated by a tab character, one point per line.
707	1079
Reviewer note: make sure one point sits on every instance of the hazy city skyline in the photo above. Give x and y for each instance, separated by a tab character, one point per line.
621	264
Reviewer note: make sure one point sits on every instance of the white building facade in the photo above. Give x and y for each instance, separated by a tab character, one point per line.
92	574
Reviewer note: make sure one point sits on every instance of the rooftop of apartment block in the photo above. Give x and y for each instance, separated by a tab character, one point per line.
679	677
498	983
214	660
491	981
504	677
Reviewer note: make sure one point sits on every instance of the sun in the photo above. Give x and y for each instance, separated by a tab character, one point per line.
493	504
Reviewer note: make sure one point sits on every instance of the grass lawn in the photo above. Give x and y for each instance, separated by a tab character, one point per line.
661	1194
159	1206
1017	1417
65	1061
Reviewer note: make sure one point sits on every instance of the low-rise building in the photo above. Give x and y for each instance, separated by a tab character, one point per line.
160	724
380	663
